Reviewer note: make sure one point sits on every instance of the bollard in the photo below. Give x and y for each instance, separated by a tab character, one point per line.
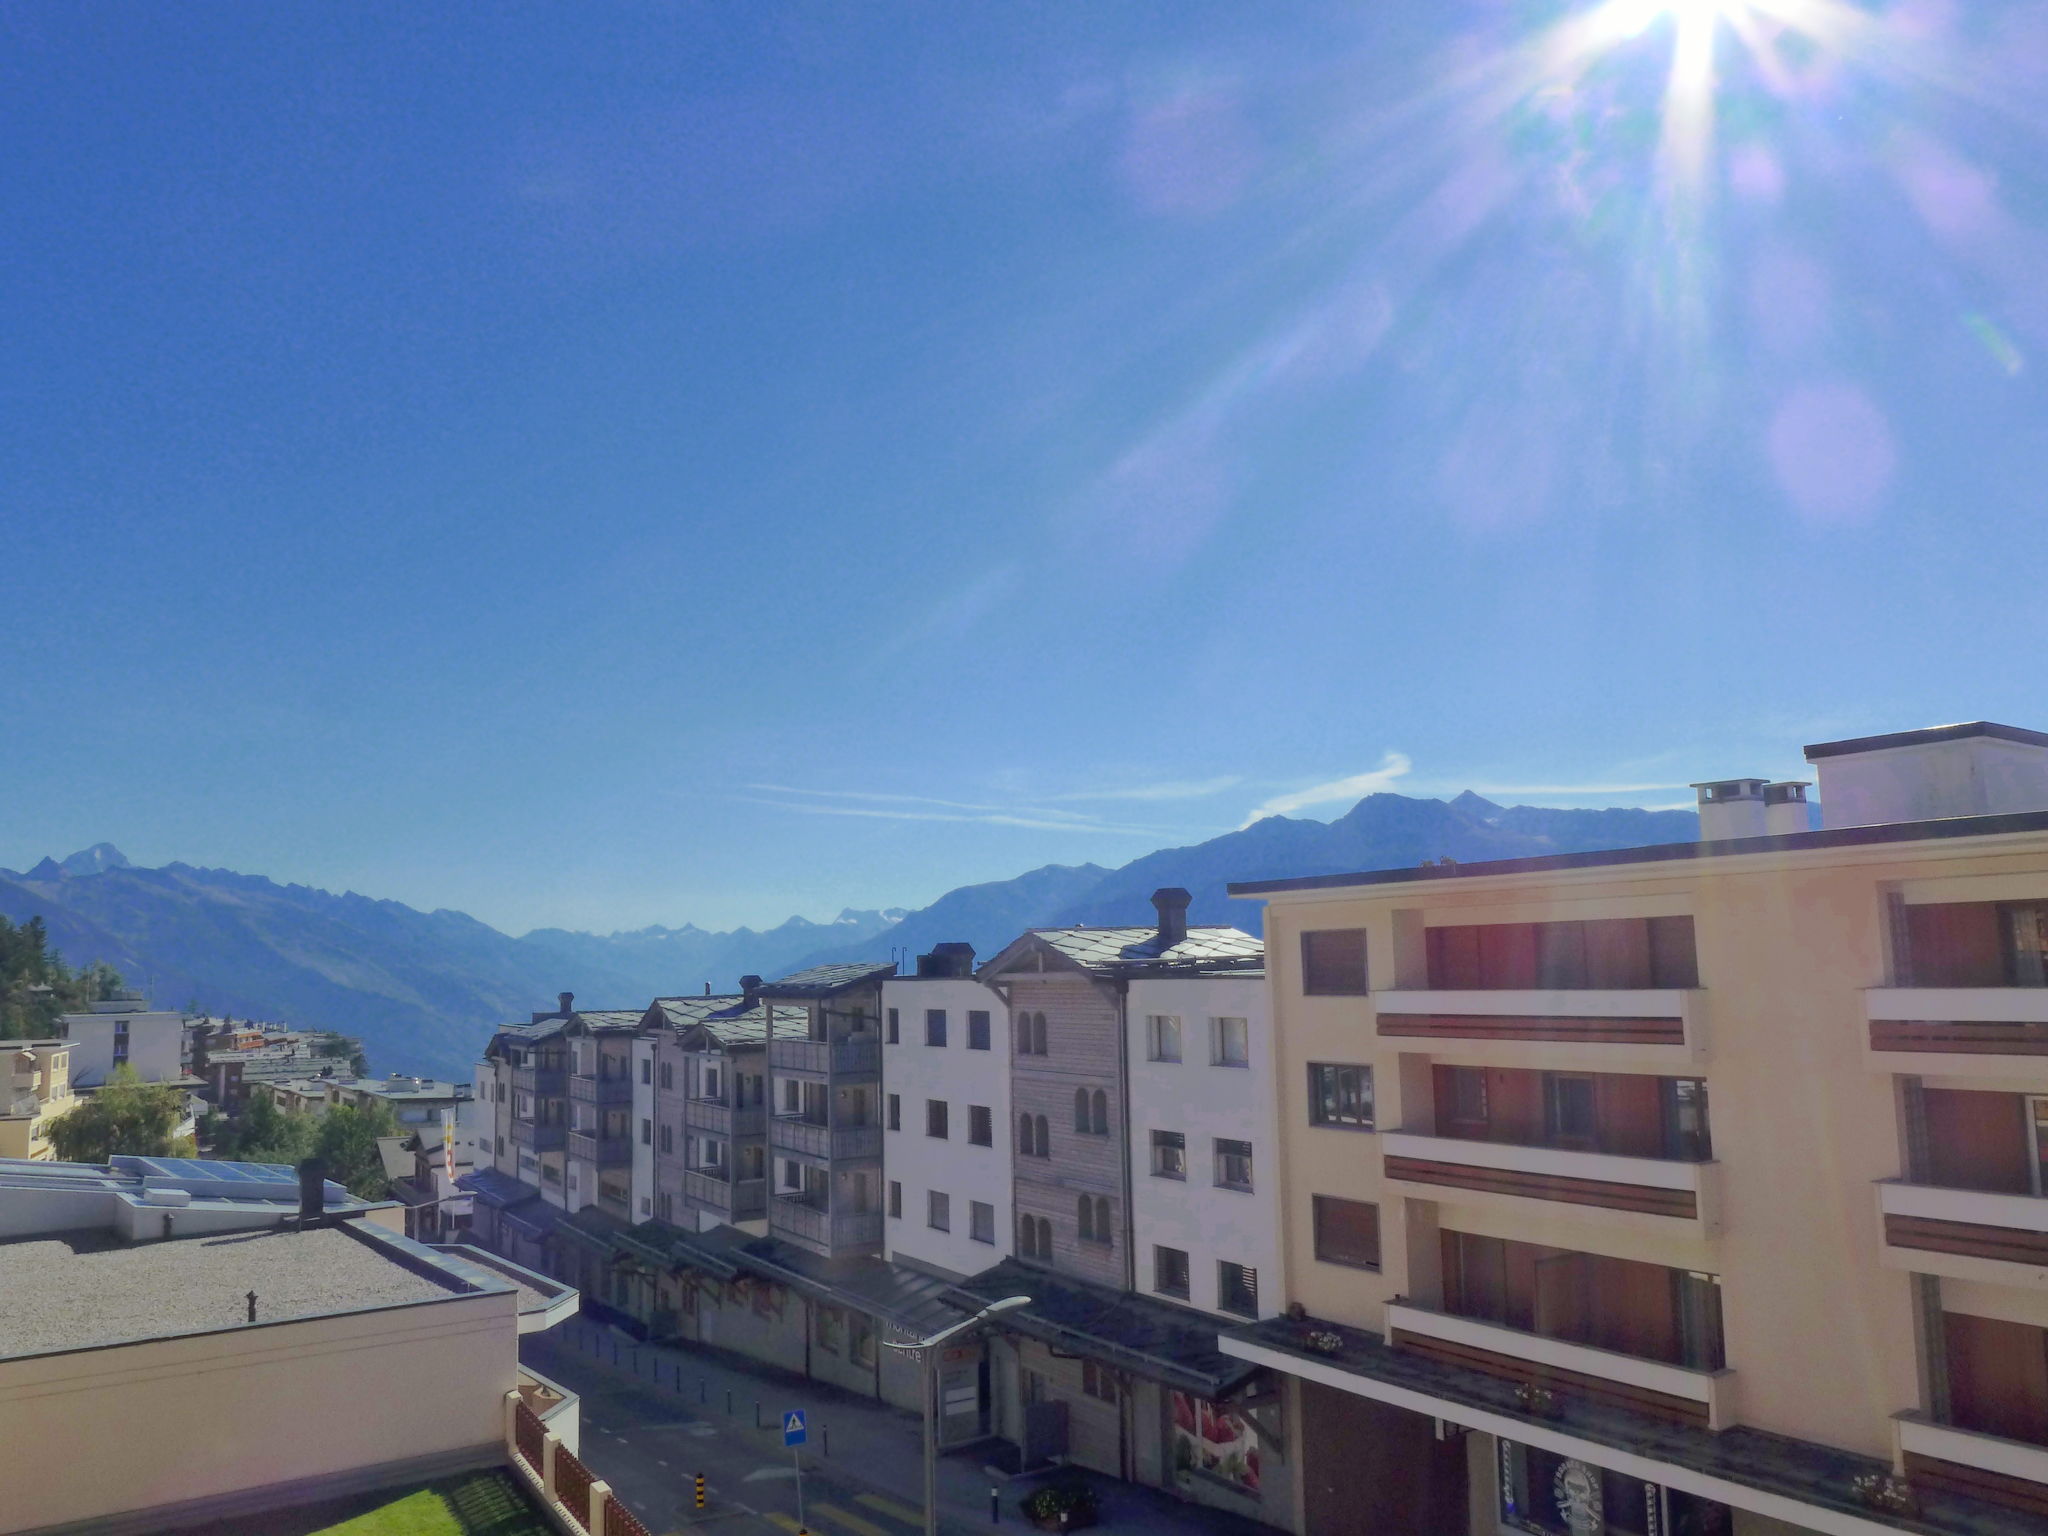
995	1507
757	1413
700	1389
700	1490
615	1350
824	1439
728	1402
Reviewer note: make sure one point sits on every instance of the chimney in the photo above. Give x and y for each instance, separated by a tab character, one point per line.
1976	769
1171	903
1785	807
750	986
566	999
949	959
312	1192
1731	808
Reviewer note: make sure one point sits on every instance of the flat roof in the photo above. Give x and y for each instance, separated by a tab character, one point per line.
1922	737
82	1290
2004	824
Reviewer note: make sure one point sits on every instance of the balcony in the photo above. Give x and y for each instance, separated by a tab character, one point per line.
718	1119
540	1138
1655	1188
855	1056
794	1217
1967	1233
543	1082
2009	1472
601	1090
833	1143
605	1151
735	1200
1654	1026
1676	1393
1915	1022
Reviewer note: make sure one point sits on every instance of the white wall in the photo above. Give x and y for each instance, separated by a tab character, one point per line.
916	1072
155	1046
644	1065
1203	1102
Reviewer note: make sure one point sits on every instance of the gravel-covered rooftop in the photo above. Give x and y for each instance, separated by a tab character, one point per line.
78	1290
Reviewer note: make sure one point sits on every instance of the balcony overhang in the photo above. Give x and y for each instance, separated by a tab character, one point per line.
1806	1486
1963	1031
2011	1472
1616	1027
1633	1191
1967	1234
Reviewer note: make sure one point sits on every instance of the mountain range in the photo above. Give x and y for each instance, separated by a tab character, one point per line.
422	989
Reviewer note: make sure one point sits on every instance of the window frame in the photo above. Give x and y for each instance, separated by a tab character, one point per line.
981	1126
1313	968
1316	1098
1317	1206
1220	1041
938	1210
1223	1159
1158	1047
1176	1144
978	1029
1250	1285
938	1120
981	1222
935	1028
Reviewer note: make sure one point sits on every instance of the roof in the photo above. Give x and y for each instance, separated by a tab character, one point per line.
1120	951
392	1153
821	979
535	1217
603	1019
125	1178
594	1226
2004	824
1932	733
731	1019
496	1189
916	1303
81	1290
1155	1339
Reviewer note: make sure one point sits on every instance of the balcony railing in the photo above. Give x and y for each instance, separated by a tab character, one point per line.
855	1056
735	1199
787	1134
1619	1016
1965	1224
601	1090
723	1120
541	1138
1963	1021
793	1216
544	1082
1643	1185
1674	1392
605	1151
2009	1472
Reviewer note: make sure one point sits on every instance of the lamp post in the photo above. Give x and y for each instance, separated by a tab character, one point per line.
928	1354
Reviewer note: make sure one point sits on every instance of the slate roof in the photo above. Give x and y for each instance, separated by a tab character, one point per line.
731	1018
667	1246
595	1227
496	1189
918	1304
821	979
1151	1338
610	1018
525	1034
1111	951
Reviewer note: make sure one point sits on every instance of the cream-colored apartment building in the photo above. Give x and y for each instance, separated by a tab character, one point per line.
1685	1189
37	1095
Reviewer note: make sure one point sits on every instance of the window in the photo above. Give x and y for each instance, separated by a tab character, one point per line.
1170	1271
1098	1381
1091	1112
1162	1037
981	1127
1034	1136
792	1096
1034	1237
938	1211
894	1028
1333	962
646	1204
1233	1164
896	1198
1340	1095
895	1111
1169	1155
646	1132
1237	1289
792	1174
501	1146
666	1205
981	1221
668	1074
860	1338
1568	1111
668	1139
1091	1216
977	1029
935	1118
1230	1043
830	1321
646	1069
1081	1119
1030	1033
935	1026
1347	1232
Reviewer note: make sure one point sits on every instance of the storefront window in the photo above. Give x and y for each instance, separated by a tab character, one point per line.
1541	1491
1213	1443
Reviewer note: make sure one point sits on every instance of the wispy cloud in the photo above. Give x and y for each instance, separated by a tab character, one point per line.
1177	789
1570	789
987	818
876	798
1392	767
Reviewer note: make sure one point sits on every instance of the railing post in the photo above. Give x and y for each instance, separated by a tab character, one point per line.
549	1443
600	1495
512	1422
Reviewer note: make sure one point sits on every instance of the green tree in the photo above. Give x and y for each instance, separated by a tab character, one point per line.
347	1143
263	1133
126	1116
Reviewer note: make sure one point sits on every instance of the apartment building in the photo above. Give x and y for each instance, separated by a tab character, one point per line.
598	1150
946	1132
1135	1385
1691	1188
824	1101
125	1031
700	1102
38	1093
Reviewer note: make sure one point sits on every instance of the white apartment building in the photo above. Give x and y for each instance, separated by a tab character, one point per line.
1205	1172
946	1141
124	1030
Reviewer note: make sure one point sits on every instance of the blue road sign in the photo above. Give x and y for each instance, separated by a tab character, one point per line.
793	1427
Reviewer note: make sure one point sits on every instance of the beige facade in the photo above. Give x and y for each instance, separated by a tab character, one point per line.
38	1090
1787	1252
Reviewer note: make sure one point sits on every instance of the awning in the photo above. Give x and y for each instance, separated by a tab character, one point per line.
534	1216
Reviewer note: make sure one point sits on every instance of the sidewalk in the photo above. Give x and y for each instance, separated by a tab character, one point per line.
852	1437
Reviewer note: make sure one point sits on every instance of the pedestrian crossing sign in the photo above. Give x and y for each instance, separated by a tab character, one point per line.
793	1427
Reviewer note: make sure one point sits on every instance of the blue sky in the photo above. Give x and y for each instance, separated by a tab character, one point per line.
634	463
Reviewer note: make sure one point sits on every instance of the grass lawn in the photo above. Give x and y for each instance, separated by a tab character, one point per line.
480	1504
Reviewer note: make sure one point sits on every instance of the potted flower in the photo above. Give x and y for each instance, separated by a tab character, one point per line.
1061	1507
1324	1341
1886	1492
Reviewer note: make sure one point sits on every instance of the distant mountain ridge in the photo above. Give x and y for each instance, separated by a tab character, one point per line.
423	989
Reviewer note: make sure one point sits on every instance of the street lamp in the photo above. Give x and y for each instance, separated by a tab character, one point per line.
927	1350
